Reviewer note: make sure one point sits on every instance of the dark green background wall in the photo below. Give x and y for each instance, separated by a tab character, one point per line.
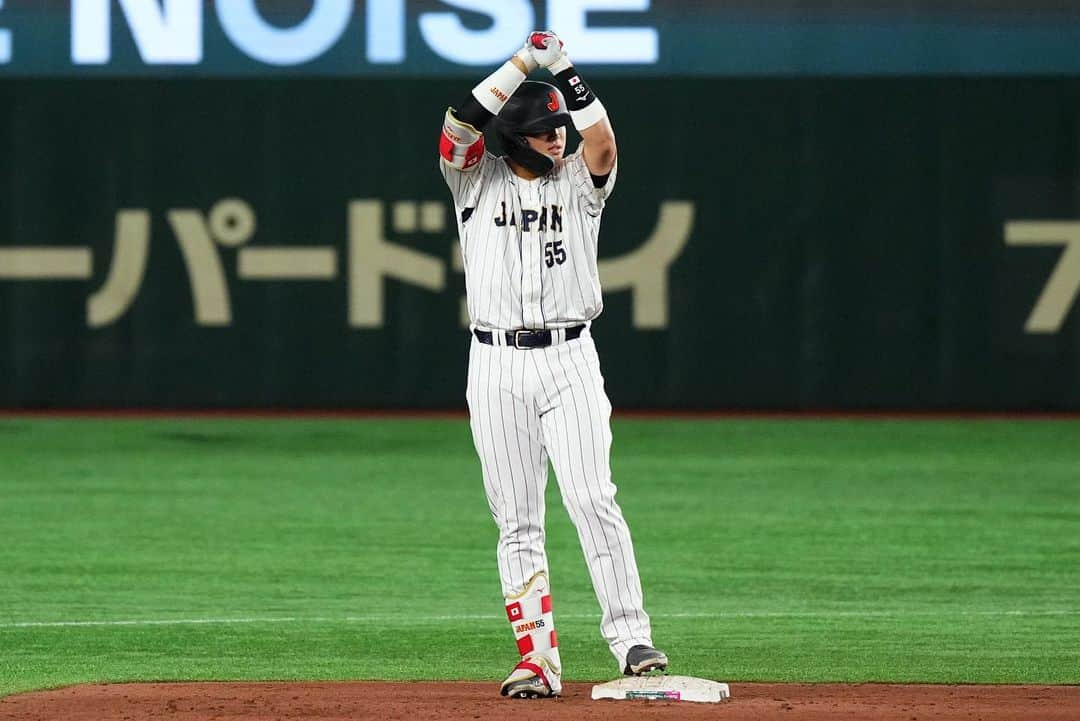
847	247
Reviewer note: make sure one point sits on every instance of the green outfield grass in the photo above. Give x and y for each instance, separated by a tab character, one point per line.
806	550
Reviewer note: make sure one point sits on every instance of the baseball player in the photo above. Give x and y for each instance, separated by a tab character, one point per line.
528	224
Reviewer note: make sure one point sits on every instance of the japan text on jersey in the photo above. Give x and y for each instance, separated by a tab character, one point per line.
529	246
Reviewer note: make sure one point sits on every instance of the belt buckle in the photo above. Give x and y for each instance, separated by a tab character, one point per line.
517	333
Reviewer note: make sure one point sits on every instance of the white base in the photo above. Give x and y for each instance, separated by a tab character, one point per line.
663	688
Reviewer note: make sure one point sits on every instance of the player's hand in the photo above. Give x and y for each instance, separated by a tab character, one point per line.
546	48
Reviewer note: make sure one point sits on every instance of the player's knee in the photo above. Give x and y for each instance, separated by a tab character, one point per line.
598	501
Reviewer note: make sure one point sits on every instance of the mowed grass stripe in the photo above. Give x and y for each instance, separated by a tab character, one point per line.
769	549
405	620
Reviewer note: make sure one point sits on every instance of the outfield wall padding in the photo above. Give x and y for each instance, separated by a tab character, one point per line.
771	244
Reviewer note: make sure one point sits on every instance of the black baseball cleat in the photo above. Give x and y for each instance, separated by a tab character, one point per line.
643	659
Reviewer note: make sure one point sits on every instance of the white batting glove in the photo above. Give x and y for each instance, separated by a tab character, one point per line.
526	57
547	51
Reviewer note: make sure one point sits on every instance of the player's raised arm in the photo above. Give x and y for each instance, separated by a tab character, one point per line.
461	145
586	110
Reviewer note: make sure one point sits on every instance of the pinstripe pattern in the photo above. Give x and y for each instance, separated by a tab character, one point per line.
524	408
507	283
529	406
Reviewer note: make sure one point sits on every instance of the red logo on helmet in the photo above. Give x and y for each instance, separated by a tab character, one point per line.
554	104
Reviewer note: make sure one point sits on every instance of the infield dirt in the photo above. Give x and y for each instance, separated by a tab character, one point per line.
471	700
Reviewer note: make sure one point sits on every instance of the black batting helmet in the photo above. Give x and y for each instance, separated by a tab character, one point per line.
534	107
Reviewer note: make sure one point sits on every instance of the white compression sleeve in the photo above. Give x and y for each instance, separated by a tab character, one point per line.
493	91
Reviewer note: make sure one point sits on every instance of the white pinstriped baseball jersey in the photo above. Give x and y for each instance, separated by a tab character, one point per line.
530	255
529	246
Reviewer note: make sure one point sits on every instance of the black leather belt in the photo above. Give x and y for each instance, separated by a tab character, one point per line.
528	338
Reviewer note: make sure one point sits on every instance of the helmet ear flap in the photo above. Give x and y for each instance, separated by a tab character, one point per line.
519	150
534	107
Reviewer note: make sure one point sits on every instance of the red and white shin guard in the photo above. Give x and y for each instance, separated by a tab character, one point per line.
534	629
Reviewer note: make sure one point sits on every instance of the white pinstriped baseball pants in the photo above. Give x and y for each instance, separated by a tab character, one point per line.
526	406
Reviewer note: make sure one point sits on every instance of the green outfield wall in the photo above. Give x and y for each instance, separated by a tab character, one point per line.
801	243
